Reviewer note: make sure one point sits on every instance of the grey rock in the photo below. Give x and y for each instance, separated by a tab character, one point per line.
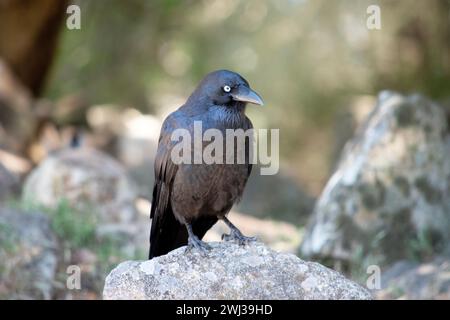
28	255
228	271
88	179
390	194
413	280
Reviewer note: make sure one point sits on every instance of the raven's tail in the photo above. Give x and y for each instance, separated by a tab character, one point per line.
166	235
166	232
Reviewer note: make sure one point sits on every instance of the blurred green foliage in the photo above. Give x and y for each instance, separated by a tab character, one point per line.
297	52
75	227
8	240
308	59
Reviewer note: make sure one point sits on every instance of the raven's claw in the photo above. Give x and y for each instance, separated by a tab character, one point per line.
194	242
236	235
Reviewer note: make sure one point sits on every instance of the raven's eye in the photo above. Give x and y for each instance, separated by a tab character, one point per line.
226	88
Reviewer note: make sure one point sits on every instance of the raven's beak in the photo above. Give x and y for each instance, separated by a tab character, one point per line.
246	94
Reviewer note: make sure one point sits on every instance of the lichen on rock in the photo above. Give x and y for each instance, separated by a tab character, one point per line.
390	189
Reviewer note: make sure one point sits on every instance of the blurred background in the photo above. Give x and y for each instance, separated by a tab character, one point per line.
81	109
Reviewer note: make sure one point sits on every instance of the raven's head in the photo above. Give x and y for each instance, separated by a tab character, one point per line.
227	88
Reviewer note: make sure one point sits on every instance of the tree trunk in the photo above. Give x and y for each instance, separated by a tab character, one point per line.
28	36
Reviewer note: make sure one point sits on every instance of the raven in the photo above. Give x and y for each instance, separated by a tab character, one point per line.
188	198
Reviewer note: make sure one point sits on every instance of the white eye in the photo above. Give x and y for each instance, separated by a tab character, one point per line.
227	89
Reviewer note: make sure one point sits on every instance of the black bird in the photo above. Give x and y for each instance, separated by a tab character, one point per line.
188	199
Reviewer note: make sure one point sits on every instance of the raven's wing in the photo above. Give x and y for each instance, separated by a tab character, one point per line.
203	224
166	232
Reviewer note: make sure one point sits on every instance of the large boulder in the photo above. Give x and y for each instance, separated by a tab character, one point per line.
228	271
88	179
389	197
28	255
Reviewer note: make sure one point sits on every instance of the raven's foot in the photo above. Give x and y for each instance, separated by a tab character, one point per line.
236	235
195	242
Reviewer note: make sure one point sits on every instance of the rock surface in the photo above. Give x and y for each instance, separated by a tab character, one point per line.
390	194
228	271
413	280
88	180
28	255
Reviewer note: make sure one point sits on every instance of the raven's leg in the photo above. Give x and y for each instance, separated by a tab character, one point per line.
194	241
235	234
